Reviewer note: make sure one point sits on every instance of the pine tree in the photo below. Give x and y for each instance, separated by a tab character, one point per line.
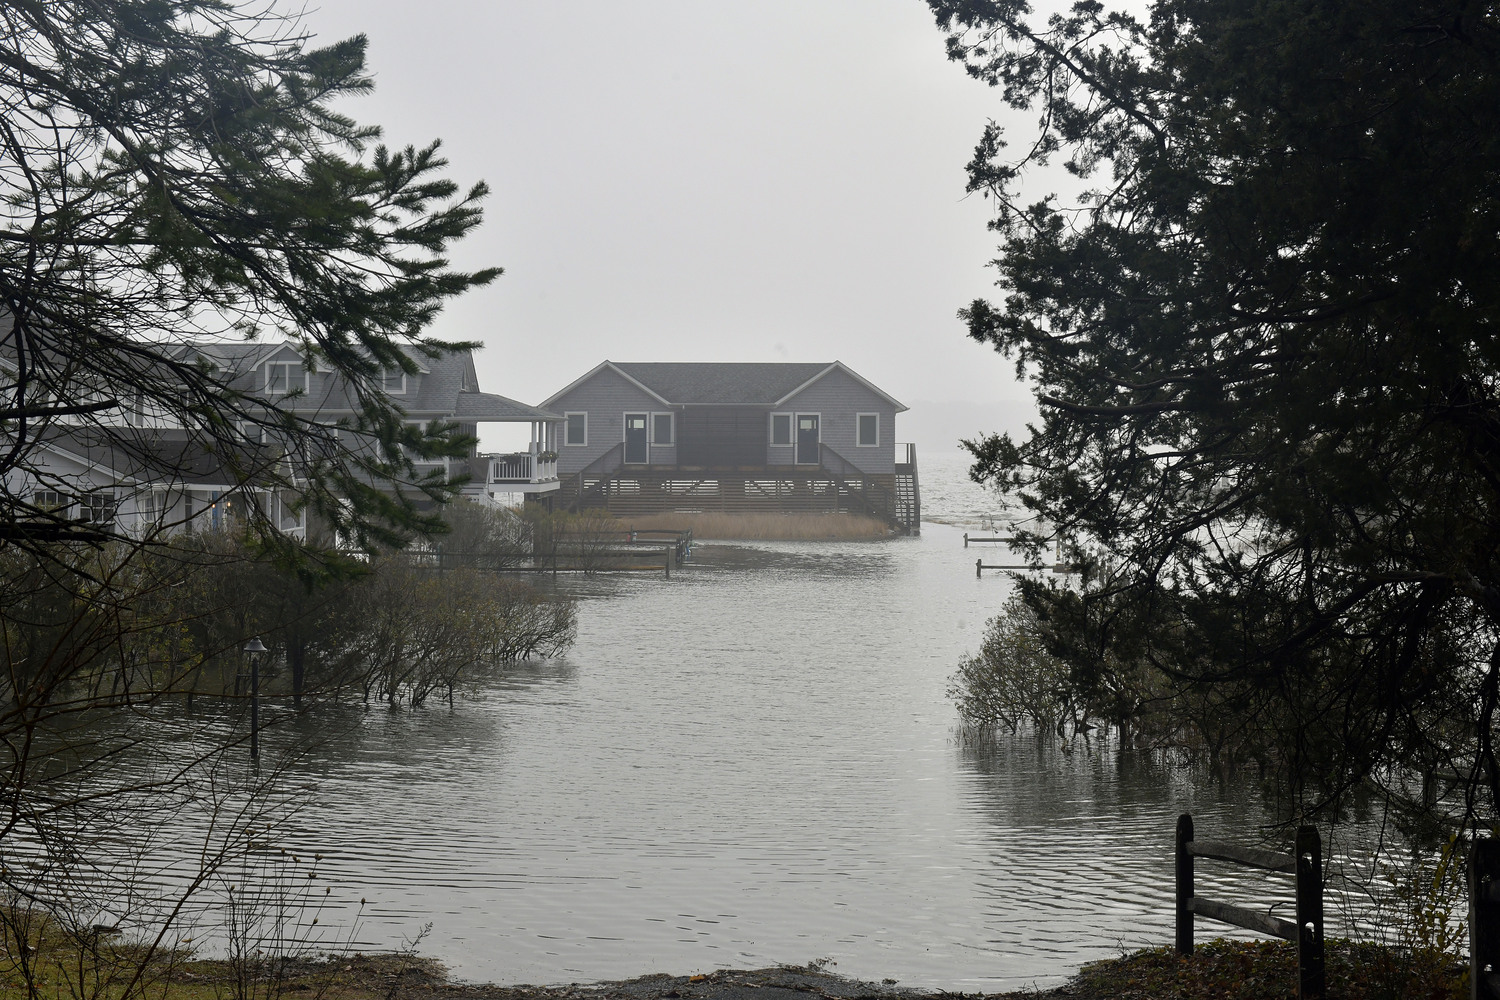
1264	348
172	170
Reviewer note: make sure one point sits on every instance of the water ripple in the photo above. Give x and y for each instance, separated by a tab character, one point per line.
751	763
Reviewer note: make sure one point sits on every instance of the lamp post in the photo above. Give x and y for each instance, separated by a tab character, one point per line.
256	649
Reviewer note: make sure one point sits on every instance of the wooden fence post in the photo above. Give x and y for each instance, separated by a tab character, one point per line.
1184	885
1484	920
1309	912
978	566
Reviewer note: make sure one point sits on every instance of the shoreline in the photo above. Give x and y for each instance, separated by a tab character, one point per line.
423	979
1219	969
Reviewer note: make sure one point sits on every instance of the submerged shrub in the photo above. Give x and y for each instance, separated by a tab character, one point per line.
1012	679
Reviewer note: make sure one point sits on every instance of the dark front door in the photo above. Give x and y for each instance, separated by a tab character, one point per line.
807	439
635	438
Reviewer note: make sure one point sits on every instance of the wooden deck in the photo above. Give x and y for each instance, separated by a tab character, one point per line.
639	490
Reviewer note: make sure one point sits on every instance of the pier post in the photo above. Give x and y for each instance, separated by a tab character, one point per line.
978	566
1484	920
1309	913
1184	895
966	539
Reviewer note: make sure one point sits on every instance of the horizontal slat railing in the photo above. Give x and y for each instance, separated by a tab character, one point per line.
1253	920
1252	857
1305	864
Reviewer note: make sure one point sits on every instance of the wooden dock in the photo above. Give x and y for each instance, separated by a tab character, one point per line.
631	549
631	492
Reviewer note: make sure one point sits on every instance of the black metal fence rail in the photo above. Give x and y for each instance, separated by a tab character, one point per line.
1306	865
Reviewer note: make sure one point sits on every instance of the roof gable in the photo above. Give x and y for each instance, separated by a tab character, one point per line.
839	366
687	383
723	383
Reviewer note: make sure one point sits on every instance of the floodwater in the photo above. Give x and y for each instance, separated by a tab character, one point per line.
754	762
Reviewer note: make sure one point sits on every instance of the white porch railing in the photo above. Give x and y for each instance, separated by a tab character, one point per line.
521	467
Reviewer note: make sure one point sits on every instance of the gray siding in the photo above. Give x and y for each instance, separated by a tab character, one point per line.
838	398
606	398
429	394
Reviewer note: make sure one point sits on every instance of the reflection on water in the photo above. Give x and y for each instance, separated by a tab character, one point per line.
751	763
748	764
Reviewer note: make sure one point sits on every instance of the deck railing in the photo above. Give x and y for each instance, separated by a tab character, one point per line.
522	467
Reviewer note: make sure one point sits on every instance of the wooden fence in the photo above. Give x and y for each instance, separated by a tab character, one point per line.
1307	931
1306	865
1484	920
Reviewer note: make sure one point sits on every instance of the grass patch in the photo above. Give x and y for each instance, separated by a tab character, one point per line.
1267	970
55	975
768	527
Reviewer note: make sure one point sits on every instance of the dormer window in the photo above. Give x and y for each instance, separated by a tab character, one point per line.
284	377
393	381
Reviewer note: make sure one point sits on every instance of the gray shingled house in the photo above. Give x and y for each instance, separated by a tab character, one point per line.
640	438
107	470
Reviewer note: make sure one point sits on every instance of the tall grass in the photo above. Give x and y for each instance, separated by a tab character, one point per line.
767	527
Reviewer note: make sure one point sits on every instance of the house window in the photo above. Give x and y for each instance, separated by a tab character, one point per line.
292	516
97	508
49	500
283	377
578	428
393	382
781	428
869	430
422	427
661	428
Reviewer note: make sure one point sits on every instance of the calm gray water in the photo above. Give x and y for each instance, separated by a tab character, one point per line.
752	763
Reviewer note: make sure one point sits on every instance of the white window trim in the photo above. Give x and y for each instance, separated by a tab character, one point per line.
98	507
428	463
791	429
54	501
387	374
672	423
291	366
858	419
567	443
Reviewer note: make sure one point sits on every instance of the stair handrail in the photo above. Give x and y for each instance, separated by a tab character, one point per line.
591	467
617	450
887	498
848	466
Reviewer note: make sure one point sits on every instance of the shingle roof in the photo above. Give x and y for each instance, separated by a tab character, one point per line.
445	386
134	455
481	406
752	383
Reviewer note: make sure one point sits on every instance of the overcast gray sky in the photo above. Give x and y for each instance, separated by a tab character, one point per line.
692	180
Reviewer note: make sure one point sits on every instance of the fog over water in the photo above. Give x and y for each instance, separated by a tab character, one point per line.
751	763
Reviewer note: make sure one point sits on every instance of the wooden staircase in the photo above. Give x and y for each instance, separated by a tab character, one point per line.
908	493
